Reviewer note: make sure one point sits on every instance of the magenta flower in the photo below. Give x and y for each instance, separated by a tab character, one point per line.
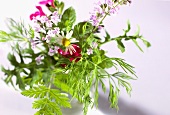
74	56
37	13
51	2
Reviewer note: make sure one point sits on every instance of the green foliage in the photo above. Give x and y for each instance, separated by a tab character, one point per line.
62	85
107	37
36	92
115	80
68	19
127	37
18	32
82	29
59	5
48	100
123	76
20	66
4	37
46	105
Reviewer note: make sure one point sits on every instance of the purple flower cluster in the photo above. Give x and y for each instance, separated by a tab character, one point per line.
44	24
102	9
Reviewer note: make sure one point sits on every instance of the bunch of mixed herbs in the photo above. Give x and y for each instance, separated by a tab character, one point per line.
56	56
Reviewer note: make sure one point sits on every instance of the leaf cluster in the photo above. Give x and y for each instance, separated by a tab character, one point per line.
49	101
126	37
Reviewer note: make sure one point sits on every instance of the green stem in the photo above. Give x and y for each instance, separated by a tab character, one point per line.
100	22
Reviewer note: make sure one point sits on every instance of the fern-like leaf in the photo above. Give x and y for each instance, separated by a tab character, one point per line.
36	92
44	112
49	100
46	105
60	98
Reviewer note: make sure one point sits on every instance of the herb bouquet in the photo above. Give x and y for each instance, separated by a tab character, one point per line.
56	60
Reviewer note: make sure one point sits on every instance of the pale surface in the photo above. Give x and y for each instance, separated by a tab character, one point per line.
151	91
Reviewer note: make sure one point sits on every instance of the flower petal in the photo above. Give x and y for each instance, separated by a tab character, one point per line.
73	40
40	11
69	34
34	15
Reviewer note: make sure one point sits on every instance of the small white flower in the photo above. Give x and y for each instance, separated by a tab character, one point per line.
56	49
49	24
54	19
39	59
48	38
38	28
53	33
34	20
51	52
55	13
50	33
89	51
33	43
66	41
94	44
43	19
42	30
56	30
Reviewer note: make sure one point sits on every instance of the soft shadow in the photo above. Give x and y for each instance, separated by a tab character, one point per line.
125	108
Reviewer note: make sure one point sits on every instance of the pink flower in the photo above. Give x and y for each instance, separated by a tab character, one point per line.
89	51
39	59
43	19
94	44
94	19
56	30
51	52
49	24
37	13
56	49
62	52
33	43
47	2
37	28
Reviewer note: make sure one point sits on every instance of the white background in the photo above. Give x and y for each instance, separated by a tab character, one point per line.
151	92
